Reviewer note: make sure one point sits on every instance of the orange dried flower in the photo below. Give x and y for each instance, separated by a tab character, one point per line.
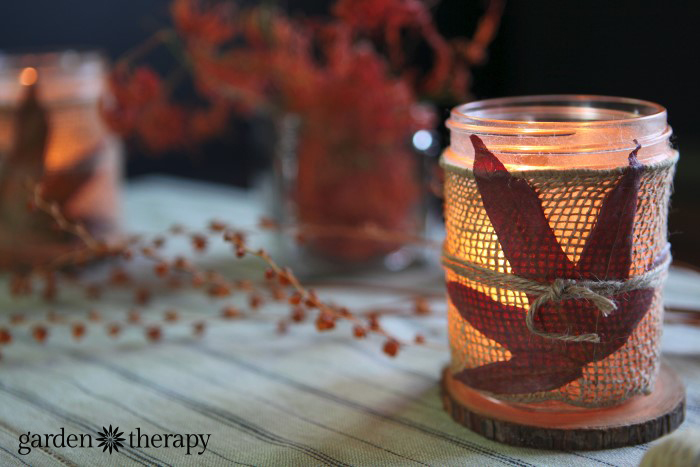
207	23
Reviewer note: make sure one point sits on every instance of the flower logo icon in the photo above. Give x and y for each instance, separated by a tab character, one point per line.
110	439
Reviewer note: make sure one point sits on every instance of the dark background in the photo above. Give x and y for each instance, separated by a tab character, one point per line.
646	50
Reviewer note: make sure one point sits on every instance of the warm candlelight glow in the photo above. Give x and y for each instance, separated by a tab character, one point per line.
571	156
51	128
28	76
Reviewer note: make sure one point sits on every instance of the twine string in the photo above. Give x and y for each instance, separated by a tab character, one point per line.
598	292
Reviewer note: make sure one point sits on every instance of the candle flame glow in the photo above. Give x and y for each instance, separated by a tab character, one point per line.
28	76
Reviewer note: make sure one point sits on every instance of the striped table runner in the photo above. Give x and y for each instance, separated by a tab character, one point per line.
303	398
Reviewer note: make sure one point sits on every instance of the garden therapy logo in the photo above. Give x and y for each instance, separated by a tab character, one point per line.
112	440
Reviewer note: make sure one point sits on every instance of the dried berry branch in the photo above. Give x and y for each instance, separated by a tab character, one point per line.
277	279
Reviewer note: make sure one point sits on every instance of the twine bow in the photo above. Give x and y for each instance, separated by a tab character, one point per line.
599	293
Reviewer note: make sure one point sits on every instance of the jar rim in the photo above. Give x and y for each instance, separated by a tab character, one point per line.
574	109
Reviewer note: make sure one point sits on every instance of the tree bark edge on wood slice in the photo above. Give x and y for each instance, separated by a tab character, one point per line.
640	420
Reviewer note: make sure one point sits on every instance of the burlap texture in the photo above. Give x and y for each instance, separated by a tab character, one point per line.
571	201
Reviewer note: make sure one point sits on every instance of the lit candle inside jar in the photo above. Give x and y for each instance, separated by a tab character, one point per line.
79	165
548	201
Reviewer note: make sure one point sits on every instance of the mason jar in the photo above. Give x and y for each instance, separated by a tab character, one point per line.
560	202
80	166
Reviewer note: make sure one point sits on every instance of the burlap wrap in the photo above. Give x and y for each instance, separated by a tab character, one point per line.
571	200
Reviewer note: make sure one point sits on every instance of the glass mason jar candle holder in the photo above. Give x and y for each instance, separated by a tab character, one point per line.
51	134
347	211
555	255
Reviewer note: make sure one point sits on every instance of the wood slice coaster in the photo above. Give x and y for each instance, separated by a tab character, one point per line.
637	421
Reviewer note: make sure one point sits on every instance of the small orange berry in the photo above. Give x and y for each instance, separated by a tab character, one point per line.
198	328
142	296
325	321
373	320
170	315
298	314
161	269
40	333
219	290
295	298
311	300
421	306
285	277
278	293
197	280
255	301
119	277
17	318
148	252
419	339
217	226
230	312
5	336
133	317
93	291
78	330
267	223
240	252
153	333
270	274
359	332
181	263
177	229
391	347
114	329
282	327
199	242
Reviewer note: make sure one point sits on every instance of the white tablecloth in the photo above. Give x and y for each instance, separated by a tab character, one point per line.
303	398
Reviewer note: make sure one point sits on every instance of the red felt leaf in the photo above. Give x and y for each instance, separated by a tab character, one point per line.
606	254
62	185
538	363
538	372
516	214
